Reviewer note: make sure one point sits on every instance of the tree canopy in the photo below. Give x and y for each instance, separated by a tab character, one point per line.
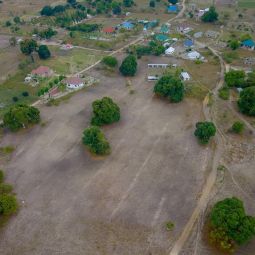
20	116
246	102
204	131
211	15
110	61
235	78
170	87
105	111
173	1
229	216
44	52
95	140
28	46
129	66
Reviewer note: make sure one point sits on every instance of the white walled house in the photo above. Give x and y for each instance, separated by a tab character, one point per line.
185	76
170	51
74	82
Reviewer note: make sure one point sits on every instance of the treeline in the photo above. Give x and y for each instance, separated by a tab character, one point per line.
87	28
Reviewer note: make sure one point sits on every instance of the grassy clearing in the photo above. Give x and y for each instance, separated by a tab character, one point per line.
246	3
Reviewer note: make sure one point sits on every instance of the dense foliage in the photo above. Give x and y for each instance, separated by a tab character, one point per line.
105	111
246	102
204	131
20	116
95	140
87	28
28	46
211	15
110	61
46	33
238	127
230	222
235	78
170	87
129	66
44	52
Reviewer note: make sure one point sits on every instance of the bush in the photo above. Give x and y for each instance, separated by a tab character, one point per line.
1	176
230	224
238	127
25	94
235	78
105	111
95	140
211	15
110	61
129	66
5	188
204	131
20	116
170	87
44	52
15	99
246	102
8	204
224	93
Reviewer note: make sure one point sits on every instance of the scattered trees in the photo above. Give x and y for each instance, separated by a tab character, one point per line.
105	111
170	87
204	131
246	102
20	116
237	127
235	78
110	61
129	66
95	140
44	52
211	15
230	226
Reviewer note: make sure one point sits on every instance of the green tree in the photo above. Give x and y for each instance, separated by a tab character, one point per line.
8	204
229	216
246	102
250	79
95	140
235	78
13	41
204	131
20	116
110	61
128	3
173	1
105	111
234	44
170	87
44	52
47	11
17	20
237	127
5	188
1	176
129	66
211	15
152	4
28	46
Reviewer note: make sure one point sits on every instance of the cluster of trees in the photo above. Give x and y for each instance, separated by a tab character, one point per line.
230	226
8	201
171	87
21	116
67	19
210	16
105	111
204	131
46	33
239	79
29	46
87	28
153	48
128	66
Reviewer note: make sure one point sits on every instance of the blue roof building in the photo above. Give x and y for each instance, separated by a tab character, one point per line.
172	8
248	44
162	37
127	25
188	43
164	29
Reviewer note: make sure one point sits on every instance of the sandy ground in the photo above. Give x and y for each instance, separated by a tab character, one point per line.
76	204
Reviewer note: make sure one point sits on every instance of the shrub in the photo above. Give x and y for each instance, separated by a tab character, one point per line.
15	99
204	131
1	176
110	61
211	15
44	52
105	111
20	116
95	140
129	66
8	204
246	102
25	94
224	93
170	87
235	78
238	127
169	226
5	188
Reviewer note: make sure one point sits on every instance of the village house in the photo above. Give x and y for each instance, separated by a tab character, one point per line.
212	34
188	43
193	55
185	76
184	28
170	51
248	44
109	30
42	71
172	8
73	82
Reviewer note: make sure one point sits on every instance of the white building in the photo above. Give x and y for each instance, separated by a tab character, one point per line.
74	82
170	51
193	55
152	78
185	76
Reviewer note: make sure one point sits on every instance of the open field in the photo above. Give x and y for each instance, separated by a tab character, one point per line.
246	3
74	203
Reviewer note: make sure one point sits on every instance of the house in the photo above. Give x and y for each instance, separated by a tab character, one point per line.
127	25
170	51
172	8
248	44
183	28
198	35
158	65
201	12
109	30
152	78
193	55
164	29
42	71
162	37
74	82
188	43
185	76
212	34
28	79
